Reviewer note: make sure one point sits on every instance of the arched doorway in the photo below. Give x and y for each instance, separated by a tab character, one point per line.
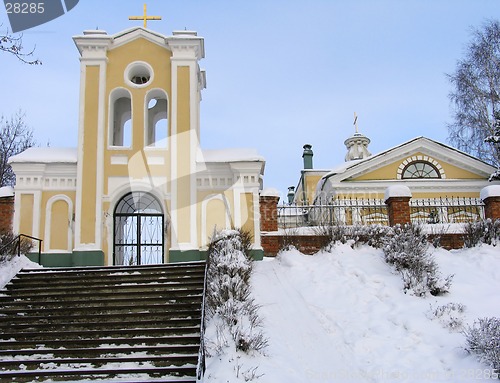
138	230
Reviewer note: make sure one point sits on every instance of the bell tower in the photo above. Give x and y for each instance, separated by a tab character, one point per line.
140	95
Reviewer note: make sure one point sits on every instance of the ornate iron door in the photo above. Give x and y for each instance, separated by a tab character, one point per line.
138	230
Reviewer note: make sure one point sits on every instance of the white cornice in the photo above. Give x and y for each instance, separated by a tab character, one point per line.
423	145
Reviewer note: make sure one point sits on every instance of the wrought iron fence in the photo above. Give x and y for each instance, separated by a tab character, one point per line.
374	211
339	212
446	210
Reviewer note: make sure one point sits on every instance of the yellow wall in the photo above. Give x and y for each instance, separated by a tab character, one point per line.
26	224
247	209
89	165
183	155
118	60
59	216
389	172
59	226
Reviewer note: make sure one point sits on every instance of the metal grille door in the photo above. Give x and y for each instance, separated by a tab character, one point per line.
138	230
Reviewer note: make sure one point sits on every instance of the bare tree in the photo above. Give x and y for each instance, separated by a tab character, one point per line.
476	94
14	45
15	137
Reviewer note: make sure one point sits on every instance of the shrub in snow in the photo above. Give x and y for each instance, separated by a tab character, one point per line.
407	249
483	339
228	297
450	315
9	246
289	239
371	235
485	231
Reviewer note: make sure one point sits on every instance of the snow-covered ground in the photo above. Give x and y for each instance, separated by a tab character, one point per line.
12	267
342	317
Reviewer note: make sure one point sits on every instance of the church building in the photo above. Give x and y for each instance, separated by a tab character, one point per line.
138	189
430	170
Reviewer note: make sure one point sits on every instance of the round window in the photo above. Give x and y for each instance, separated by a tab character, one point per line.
138	74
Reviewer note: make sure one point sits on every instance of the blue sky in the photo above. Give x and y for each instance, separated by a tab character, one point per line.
280	73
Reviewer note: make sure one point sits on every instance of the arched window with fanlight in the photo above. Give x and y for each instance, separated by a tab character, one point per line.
138	230
420	169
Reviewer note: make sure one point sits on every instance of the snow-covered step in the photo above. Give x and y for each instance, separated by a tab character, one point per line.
130	324
75	374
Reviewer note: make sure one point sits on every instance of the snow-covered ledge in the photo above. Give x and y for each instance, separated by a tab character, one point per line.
490	195
397	198
397	191
270	192
490	191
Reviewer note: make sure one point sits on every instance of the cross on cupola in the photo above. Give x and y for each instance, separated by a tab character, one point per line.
145	17
357	144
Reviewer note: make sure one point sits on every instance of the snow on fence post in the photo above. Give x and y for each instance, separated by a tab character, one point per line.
397	199
268	202
490	195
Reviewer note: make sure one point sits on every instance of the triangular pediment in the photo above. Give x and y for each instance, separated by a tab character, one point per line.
388	165
135	33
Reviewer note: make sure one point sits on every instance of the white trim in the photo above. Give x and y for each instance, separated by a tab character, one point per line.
136	64
48	222
79	167
256	218
412	159
193	141
101	129
173	157
111	115
152	93
37	206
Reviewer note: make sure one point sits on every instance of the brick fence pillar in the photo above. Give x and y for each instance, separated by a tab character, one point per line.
490	195
397	199
6	214
269	212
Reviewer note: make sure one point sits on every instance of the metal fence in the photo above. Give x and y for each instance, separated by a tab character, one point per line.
339	212
446	210
374	211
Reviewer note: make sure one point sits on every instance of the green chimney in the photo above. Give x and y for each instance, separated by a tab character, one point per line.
308	156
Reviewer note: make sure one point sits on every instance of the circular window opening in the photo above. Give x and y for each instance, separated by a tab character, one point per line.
139	74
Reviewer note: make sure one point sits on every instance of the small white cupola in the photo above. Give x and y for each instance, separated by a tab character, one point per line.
357	145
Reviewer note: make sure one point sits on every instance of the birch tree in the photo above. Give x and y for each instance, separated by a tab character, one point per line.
476	95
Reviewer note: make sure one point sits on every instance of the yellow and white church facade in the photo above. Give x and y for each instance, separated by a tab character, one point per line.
138	189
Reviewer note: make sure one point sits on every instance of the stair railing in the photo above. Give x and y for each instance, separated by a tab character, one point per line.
200	369
18	244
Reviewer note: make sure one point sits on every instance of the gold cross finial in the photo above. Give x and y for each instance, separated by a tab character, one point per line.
356	122
145	17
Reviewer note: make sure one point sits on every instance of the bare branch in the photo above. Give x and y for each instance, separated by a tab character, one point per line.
14	45
15	137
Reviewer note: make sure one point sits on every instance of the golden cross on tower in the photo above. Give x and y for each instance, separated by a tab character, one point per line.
145	17
356	122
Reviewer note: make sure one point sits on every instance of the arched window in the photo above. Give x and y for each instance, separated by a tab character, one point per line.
420	169
157	119
138	230
121	118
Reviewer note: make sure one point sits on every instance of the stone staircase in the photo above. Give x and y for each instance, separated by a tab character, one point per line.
113	324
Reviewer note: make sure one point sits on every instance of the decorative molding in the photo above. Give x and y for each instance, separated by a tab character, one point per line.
419	158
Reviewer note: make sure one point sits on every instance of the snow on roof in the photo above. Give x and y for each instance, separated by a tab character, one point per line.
229	155
46	155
